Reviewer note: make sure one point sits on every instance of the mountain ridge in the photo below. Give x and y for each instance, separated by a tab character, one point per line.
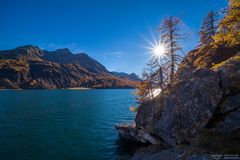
131	76
31	67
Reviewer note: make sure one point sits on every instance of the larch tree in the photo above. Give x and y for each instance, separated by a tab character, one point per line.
170	31
146	87
147	76
208	28
155	69
161	68
229	27
142	91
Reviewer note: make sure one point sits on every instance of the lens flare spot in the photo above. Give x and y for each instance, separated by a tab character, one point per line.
159	50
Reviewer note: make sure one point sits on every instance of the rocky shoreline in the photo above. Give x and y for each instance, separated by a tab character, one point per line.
201	112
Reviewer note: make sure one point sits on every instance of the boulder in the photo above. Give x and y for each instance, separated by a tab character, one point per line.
130	132
147	110
188	107
177	115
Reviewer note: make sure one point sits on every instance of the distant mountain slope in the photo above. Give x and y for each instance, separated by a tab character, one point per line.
64	56
131	76
24	52
31	67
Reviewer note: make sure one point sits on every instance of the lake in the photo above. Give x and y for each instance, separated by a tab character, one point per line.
64	124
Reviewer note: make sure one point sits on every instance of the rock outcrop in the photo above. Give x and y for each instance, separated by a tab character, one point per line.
130	132
206	95
160	153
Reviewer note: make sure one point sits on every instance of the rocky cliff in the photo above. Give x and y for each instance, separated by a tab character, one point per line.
30	67
196	116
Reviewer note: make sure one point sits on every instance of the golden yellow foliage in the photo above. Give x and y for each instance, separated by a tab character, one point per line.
141	91
229	27
216	66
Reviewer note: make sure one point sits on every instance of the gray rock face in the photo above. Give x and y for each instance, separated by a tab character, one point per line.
229	72
146	112
157	153
231	103
187	107
177	115
169	154
130	132
228	119
230	123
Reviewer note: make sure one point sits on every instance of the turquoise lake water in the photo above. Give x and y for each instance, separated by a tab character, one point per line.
64	124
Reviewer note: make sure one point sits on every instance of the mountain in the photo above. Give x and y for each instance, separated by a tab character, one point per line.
64	56
30	67
131	76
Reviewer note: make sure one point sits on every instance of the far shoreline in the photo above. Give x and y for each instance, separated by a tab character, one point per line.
71	88
76	88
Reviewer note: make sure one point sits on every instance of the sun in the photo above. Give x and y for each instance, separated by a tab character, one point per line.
157	47
159	51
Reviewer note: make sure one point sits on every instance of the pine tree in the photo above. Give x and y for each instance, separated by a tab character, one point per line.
208	28
170	35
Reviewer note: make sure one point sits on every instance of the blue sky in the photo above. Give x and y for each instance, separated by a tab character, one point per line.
111	31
